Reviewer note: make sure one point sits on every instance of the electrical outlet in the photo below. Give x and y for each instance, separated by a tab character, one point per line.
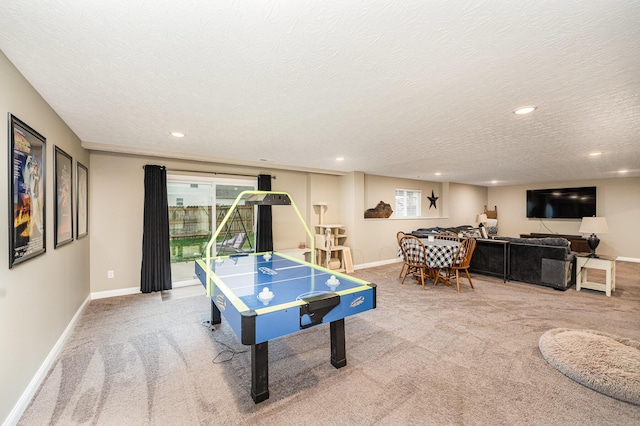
110	274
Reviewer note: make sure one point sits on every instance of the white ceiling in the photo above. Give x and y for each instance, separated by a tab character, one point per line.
404	89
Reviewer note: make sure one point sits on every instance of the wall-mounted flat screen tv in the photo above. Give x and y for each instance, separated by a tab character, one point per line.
561	203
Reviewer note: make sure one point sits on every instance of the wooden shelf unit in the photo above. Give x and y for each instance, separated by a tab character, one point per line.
331	232
336	238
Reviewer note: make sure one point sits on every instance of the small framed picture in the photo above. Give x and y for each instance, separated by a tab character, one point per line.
27	172
82	203
63	210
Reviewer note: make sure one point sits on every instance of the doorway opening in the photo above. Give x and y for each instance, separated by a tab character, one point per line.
197	205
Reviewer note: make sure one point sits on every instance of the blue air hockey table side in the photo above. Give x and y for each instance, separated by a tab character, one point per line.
301	295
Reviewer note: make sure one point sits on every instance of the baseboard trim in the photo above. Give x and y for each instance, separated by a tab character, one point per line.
186	283
115	293
136	290
41	374
628	259
378	263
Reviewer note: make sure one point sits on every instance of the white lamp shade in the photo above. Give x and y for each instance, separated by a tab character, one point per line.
594	225
481	218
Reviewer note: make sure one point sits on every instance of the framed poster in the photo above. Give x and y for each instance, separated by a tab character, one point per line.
62	209
27	172
82	203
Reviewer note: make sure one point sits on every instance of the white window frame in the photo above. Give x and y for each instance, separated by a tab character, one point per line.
405	195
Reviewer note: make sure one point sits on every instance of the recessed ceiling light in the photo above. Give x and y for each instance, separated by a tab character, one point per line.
595	154
339	158
623	171
438	173
177	134
494	182
525	110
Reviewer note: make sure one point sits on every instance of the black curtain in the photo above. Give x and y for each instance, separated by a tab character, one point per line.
264	232
156	253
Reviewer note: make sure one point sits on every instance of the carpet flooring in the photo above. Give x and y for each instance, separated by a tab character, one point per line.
423	357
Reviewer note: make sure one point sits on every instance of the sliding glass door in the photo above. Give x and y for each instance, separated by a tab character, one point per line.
197	205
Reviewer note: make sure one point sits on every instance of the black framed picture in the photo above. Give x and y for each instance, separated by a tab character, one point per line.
62	211
82	203
27	172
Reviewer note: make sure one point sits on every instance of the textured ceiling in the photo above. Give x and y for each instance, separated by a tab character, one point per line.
402	89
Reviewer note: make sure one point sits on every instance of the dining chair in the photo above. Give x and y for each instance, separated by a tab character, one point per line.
415	255
450	236
462	260
447	235
399	237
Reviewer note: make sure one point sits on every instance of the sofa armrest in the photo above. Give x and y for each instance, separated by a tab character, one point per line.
547	265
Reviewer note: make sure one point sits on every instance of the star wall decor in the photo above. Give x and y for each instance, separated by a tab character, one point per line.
432	200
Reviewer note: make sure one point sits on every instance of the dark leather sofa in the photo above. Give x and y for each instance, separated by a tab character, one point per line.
543	261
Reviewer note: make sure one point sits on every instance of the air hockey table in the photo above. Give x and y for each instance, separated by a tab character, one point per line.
264	296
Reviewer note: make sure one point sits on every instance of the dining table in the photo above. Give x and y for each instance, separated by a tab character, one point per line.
440	253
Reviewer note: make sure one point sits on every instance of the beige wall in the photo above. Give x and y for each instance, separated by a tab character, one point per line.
39	297
374	240
117	203
117	180
617	199
382	188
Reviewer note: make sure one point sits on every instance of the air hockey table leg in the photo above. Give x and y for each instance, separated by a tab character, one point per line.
338	351
215	314
260	372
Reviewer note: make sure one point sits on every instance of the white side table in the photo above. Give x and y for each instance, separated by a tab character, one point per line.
605	263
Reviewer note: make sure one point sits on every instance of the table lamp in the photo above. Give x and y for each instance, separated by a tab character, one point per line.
593	225
481	219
